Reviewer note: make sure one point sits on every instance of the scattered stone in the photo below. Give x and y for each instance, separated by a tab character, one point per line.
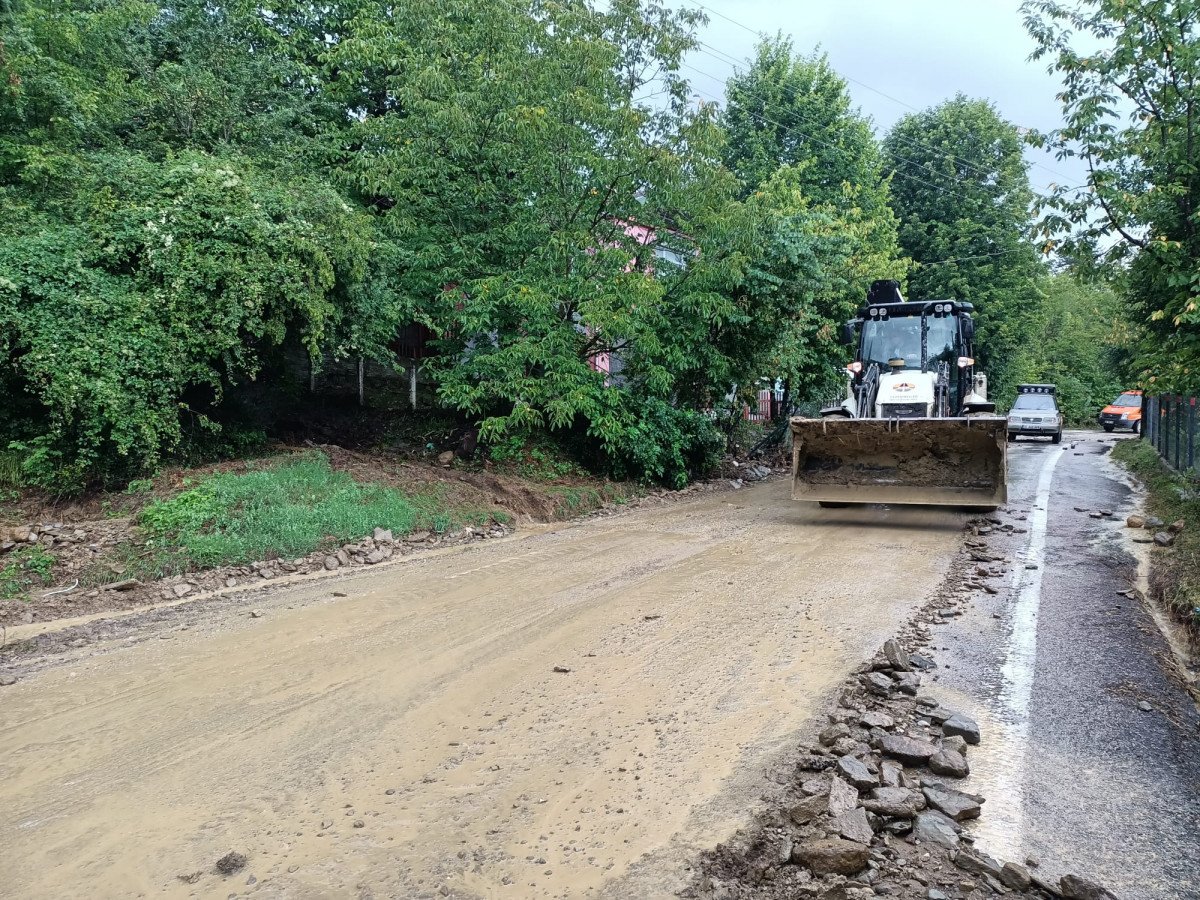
924	663
383	535
832	857
256	613
809	809
843	797
940	714
935	894
890	773
1164	539
417	537
932	827
853	825
231	862
1014	876
1135	521
127	585
906	749
7	680
561	670
909	683
955	743
877	683
900	802
856	773
190	878
830	735
1143	539
977	863
1153	522
950	763
1177	526
1145	706
1075	888
331	563
181	590
873	718
896	656
963	726
1106	513
377	556
955	804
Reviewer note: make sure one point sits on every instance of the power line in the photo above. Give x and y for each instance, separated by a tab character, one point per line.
862	84
764	120
911	162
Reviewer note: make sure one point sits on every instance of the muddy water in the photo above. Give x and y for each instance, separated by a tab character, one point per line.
412	737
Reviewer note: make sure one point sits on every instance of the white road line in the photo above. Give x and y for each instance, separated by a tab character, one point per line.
1006	825
1027	587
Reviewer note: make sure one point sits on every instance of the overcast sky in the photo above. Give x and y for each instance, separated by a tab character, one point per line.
916	52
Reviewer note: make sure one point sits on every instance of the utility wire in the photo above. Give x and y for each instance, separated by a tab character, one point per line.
862	84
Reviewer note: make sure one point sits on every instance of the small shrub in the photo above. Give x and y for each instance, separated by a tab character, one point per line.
24	568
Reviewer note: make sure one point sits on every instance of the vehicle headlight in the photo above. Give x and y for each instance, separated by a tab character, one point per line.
1124	415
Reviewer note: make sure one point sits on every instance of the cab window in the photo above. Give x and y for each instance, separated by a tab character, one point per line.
1128	400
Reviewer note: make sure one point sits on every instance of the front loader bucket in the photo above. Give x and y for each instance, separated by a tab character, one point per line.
951	462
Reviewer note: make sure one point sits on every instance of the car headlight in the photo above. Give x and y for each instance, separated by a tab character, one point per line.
1124	415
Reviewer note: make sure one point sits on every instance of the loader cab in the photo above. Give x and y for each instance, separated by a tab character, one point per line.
928	336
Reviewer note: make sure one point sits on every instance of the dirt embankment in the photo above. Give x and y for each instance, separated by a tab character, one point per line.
93	546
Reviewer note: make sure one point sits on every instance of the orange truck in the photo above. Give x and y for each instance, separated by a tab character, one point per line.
1124	412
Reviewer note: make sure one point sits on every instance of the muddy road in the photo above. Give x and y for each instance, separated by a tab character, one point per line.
403	732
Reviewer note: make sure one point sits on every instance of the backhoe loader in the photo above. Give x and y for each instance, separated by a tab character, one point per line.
916	425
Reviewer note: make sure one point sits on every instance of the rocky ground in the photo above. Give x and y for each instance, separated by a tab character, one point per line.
582	710
876	805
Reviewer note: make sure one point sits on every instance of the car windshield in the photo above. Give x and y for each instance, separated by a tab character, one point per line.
1128	400
1035	401
900	338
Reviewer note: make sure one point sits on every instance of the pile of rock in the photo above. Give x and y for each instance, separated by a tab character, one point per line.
1156	533
877	810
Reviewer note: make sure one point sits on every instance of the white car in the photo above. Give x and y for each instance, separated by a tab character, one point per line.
1035	413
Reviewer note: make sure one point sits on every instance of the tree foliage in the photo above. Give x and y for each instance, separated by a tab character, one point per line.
810	166
961	191
1130	112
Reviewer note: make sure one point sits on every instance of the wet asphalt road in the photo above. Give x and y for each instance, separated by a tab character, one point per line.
1075	773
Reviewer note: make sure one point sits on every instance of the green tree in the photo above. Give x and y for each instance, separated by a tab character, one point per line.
1078	342
1130	110
787	109
809	164
961	191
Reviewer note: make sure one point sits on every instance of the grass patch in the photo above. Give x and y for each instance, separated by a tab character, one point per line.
1175	575
283	509
24	568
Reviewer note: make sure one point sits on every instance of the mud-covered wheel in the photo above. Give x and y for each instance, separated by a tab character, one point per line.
831	504
1109	428
1057	439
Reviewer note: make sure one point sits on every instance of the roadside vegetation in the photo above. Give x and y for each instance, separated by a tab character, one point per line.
197	201
1175	576
283	509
